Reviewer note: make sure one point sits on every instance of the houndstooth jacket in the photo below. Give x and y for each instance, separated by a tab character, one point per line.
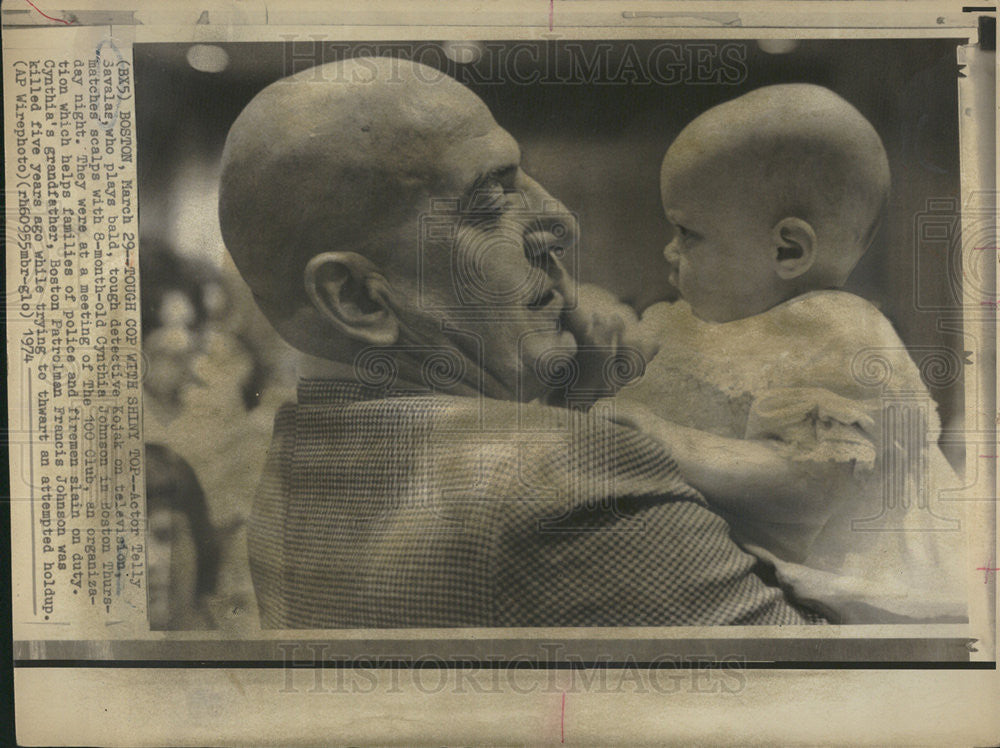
397	510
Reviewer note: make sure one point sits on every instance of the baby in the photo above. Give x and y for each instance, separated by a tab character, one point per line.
761	390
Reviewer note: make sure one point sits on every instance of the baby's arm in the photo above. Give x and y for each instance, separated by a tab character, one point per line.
746	476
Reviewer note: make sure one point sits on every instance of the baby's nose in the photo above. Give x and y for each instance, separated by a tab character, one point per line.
671	253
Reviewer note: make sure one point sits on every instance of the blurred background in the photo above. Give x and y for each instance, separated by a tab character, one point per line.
593	120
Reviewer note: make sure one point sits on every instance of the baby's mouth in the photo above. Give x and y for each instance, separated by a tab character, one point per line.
673	275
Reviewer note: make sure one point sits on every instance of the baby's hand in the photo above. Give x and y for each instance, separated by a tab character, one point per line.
611	350
599	319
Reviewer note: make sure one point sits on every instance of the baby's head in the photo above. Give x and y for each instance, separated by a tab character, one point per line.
770	195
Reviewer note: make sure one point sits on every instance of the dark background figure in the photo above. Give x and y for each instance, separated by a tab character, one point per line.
204	375
173	317
182	543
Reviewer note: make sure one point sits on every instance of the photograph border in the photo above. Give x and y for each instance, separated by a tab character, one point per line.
942	647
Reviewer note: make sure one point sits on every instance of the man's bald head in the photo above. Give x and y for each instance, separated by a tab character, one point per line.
337	158
789	150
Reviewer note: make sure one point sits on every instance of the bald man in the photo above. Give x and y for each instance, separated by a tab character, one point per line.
383	222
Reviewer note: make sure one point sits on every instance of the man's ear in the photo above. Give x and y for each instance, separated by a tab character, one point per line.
347	290
794	242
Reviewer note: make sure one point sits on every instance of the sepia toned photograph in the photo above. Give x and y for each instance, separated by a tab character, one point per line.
577	372
630	333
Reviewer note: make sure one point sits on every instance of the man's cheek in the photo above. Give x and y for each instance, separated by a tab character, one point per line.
485	274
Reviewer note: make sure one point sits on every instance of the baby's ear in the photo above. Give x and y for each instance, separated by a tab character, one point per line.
794	243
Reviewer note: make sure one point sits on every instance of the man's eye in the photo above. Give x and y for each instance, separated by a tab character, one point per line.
488	197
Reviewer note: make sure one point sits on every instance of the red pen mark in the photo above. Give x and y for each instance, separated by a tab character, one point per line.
46	15
986	577
989	457
552	9
980	249
562	720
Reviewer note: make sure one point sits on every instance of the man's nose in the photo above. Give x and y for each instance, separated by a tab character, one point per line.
550	230
547	214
